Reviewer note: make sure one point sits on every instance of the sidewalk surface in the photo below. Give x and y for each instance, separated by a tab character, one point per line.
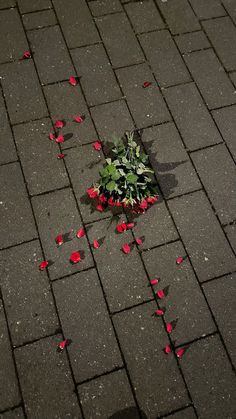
114	365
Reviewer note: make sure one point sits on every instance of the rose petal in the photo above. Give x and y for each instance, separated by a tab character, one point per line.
159	312
143	205
92	193
59	240
96	244
63	344
130	226
160	294
167	349
80	233
152	199
43	265
111	202
138	241
51	136
78	119
60	156
59	124
154	281
126	248
146	84
169	327
179	352
73	81
121	227
75	257
60	139
27	54
179	260
102	198
100	208
97	146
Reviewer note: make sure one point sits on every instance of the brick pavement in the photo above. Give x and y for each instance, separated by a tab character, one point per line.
115	366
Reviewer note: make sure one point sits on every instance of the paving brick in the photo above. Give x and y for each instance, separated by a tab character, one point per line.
231	234
187	413
190	42
13	414
97	78
13	40
218	179
156	379
38	157
9	393
97	396
103	7
7	3
65	102
7	146
173	168
17	223
119	39
179	16
39	19
192	117
147	105
22	91
50	53
204	240
221	294
231	8
164	58
226	121
84	172
56	213
47	386
27	6
222	34
210	378
233	77
76	22
206	9
185	302
26	294
77	304
144	16
211	78
123	287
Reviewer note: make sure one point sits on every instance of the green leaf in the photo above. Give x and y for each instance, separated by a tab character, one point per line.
131	178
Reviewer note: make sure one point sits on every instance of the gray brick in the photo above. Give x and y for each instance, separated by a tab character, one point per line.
226	121
179	16
83	165
9	393
76	22
231	234
97	77
190	42
206	9
98	398
144	16
17	223
64	102
56	213
38	157
26	294
39	19
103	7
185	301
13	414
7	3
210	379
76	303
147	105
22	91
46	382
119	39
13	41
173	168
26	6
142	343
218	179
7	146
187	413
231	8
222	34
211	78
221	295
50	53
204	240
192	117
122	287
164	58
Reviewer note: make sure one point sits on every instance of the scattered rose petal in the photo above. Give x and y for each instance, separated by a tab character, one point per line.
154	281
27	54
43	265
102	198
179	352
130	226
60	156
75	257
152	199
97	146
80	233
159	312
73	81
126	248
100	207
59	240
138	241
169	327
121	227
63	344
167	349
59	124
78	119
92	193
60	139
51	136
160	294
146	84
179	260
96	244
